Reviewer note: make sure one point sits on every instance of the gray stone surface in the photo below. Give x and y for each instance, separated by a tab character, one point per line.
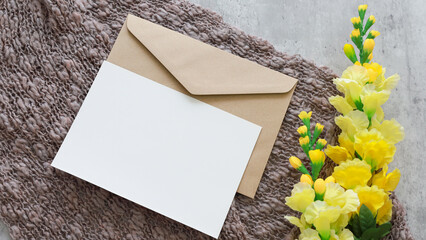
317	31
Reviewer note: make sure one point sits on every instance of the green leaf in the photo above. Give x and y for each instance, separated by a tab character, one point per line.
371	234
366	218
377	233
385	229
354	226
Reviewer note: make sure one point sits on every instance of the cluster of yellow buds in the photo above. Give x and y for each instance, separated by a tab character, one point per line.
312	146
357	36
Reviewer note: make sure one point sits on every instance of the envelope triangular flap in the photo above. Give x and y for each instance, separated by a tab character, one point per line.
203	69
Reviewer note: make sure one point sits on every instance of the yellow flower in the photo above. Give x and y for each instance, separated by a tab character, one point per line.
352	123
303	130
372	19
388	83
341	105
355	20
374	70
391	131
369	45
340	223
335	195
387	182
345	234
330	179
306	178
301	197
373	99
309	234
304	140
317	156
337	154
299	222
352	173
304	115
319	127
373	149
349	51
321	215
356	73
345	142
320	143
374	33
295	162
384	214
355	33
372	197
319	186
362	7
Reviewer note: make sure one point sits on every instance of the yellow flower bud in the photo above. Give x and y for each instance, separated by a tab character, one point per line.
374	33
317	156
319	127
319	186
370	57
295	162
369	45
330	179
372	19
306	178
302	130
304	141
350	52
304	115
355	20
355	33
362	7
357	63
321	141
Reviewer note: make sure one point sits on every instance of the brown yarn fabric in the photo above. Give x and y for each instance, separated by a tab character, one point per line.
50	52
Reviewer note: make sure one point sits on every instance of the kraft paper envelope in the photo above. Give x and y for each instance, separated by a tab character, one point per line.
233	84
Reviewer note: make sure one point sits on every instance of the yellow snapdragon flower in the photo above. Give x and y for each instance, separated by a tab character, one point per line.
374	70
372	197
306	178
391	131
362	7
347	143
321	215
304	115
299	222
384	214
301	197
352	173
341	104
373	99
335	195
352	123
309	234
345	234
303	131
373	149
387	83
387	182
337	154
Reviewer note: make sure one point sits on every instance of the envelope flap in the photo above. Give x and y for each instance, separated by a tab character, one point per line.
203	69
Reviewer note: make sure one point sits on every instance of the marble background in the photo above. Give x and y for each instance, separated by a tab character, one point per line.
317	30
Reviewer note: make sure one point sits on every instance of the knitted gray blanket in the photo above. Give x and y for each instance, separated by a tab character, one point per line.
50	52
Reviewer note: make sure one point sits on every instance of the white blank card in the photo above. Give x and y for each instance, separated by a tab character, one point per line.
159	148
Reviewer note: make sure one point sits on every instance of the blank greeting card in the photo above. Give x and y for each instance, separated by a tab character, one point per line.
159	148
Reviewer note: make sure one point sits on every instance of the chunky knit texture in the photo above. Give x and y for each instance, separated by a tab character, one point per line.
50	52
